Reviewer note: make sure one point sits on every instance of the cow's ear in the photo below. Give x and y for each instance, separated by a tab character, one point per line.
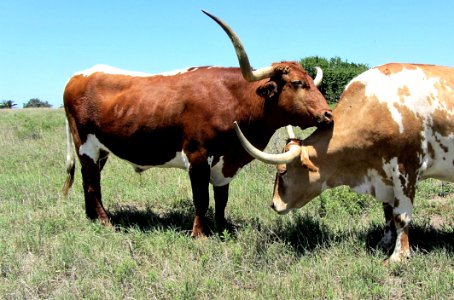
267	90
306	162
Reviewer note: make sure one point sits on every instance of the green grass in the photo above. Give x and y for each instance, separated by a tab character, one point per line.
48	249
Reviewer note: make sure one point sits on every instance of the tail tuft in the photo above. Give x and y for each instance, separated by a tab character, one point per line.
69	180
70	160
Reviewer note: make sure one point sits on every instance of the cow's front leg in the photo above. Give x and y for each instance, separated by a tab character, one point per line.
221	195
402	213
199	175
389	235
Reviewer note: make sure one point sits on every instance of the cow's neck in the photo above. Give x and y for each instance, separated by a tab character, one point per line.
337	165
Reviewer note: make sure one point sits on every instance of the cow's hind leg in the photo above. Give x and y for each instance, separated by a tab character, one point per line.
91	176
199	175
221	195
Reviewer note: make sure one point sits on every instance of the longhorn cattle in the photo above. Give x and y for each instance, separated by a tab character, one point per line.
183	120
393	127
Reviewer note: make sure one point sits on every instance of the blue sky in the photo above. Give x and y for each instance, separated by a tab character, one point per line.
42	43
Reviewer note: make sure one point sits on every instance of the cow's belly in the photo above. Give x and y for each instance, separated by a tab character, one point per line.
438	163
92	148
442	171
180	161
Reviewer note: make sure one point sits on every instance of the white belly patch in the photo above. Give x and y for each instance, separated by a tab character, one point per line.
180	161
92	147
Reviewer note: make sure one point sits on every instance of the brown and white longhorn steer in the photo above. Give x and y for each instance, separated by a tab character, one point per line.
184	120
393	126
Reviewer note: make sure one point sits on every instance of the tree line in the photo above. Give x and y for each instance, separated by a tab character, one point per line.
34	102
336	74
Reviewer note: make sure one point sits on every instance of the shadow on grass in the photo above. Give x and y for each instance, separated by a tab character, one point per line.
422	238
125	217
304	233
178	218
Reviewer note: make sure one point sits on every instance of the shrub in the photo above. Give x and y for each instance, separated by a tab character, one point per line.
35	102
336	74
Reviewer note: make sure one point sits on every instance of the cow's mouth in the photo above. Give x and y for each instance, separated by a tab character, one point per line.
279	212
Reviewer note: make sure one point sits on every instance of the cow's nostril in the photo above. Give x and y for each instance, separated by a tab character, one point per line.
328	115
272	206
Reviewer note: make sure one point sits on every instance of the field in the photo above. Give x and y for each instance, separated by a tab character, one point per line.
327	250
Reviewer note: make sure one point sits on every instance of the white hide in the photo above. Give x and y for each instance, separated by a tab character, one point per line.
91	147
390	89
217	178
116	71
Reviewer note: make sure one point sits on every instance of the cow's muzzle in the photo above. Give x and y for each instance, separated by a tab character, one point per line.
326	117
277	210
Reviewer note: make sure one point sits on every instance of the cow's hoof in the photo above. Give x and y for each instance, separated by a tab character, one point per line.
197	231
396	258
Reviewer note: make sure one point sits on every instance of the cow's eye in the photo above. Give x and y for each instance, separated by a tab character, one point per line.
299	84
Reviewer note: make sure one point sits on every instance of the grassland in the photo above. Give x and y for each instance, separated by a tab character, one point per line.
48	249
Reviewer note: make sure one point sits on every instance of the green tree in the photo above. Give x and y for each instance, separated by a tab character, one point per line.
7	104
336	74
35	102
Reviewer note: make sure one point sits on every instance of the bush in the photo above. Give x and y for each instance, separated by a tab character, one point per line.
35	102
336	74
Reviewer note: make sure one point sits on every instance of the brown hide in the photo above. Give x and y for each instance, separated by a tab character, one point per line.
160	115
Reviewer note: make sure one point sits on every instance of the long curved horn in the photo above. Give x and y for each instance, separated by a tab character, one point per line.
318	78
274	159
245	66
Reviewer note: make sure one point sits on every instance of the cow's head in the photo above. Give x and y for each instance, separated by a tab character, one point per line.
297	178
286	87
293	97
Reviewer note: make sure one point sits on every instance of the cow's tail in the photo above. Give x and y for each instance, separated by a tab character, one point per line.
70	160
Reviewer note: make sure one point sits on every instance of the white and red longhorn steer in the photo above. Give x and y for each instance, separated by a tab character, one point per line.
184	120
393	127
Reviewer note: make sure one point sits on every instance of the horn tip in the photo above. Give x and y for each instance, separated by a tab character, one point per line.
236	127
208	14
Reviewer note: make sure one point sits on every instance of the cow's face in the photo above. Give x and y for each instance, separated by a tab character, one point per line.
292	96
296	183
298	179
